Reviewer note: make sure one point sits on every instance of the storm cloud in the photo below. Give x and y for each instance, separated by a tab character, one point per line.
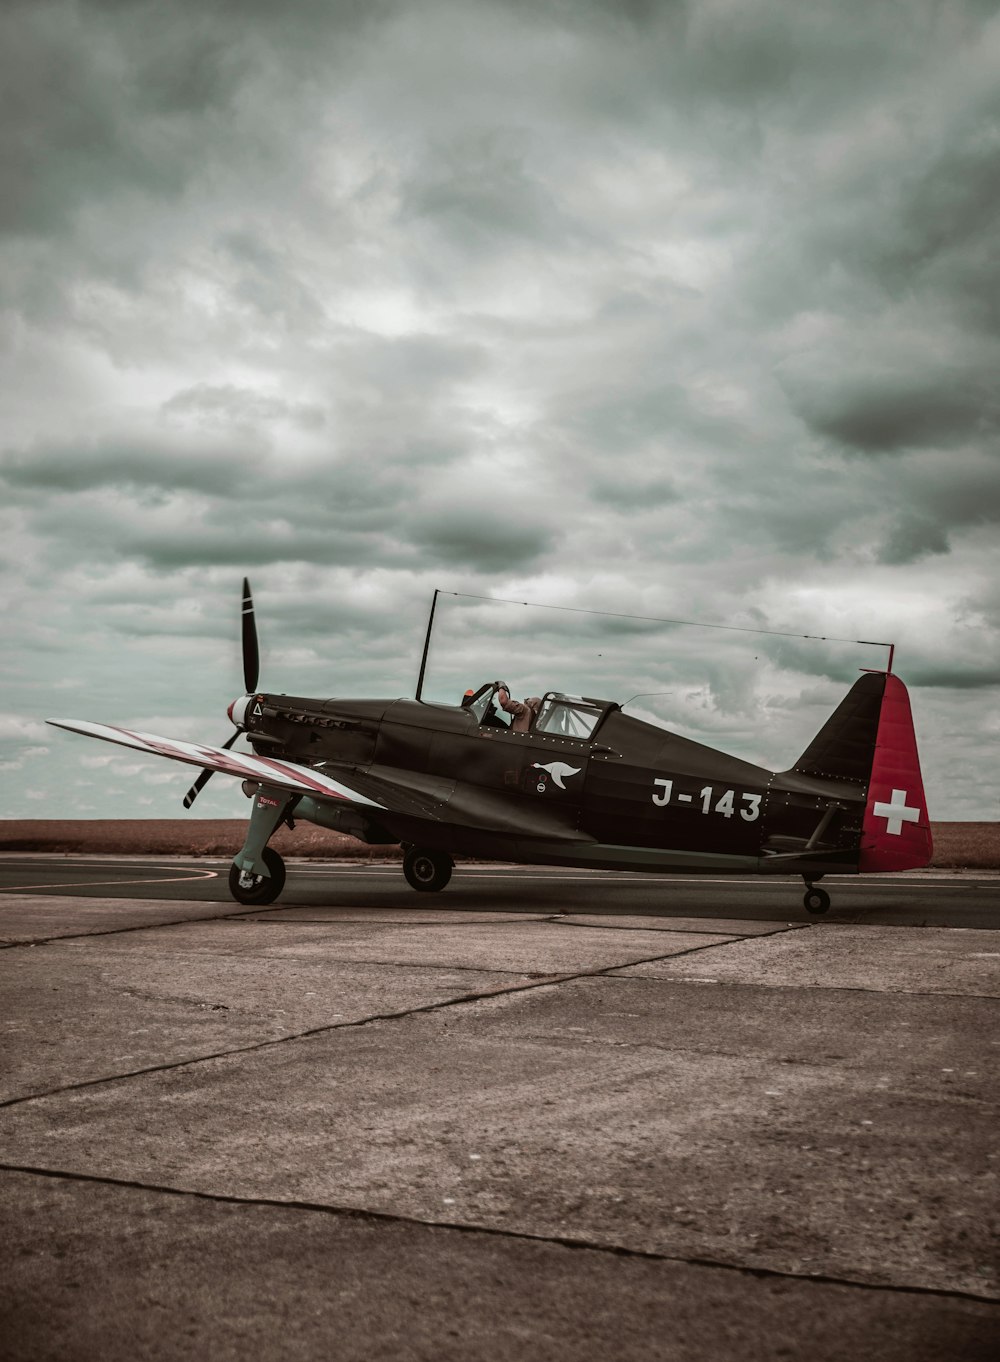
662	309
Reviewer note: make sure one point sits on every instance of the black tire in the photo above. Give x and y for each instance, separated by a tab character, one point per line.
427	871
816	901
265	888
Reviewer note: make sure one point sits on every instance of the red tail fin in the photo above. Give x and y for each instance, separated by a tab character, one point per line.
897	829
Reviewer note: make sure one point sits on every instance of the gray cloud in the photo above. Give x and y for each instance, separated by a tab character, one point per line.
226	405
665	309
634	494
913	537
880	413
150	462
481	540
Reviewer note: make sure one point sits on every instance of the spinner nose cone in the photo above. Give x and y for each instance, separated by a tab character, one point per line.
239	709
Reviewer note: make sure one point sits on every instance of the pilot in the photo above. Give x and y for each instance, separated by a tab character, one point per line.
525	711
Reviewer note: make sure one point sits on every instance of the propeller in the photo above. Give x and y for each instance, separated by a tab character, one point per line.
251	669
251	655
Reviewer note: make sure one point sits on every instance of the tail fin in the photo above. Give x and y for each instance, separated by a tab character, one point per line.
869	741
897	829
843	748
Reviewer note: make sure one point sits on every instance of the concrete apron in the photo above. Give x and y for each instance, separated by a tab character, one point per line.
809	1102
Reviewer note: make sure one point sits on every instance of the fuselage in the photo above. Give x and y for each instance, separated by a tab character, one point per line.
589	785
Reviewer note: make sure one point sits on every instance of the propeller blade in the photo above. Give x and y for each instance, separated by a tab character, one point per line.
251	655
205	776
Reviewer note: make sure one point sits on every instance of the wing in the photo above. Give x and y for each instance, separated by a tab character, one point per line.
472	808
269	770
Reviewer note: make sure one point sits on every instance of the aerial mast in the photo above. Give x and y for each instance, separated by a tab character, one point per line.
427	645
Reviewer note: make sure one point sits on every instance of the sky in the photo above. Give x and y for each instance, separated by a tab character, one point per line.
673	309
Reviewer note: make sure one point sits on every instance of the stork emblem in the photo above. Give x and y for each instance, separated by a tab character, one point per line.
558	770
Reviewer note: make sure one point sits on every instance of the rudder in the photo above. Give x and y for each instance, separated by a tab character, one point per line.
869	741
897	830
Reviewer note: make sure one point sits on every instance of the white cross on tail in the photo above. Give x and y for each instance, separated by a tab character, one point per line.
897	812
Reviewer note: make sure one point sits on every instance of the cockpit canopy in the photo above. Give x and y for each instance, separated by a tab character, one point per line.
568	716
574	716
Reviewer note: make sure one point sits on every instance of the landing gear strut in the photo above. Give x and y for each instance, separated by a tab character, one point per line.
257	874
815	901
249	888
427	871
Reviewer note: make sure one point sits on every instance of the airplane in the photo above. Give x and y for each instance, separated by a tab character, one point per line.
585	786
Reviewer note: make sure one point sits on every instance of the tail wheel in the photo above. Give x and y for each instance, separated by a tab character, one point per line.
427	871
816	901
258	889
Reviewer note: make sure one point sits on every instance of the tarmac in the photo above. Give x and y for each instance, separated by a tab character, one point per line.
547	1122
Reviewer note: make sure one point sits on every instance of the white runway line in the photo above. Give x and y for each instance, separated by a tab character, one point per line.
100	884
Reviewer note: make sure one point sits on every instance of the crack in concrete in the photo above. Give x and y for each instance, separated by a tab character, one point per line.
545	981
680	931
542	981
797	988
117	931
252	915
525	915
462	1227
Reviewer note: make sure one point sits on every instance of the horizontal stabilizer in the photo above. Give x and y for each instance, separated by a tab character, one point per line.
289	775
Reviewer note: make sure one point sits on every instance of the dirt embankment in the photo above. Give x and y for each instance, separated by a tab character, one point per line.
973	846
172	836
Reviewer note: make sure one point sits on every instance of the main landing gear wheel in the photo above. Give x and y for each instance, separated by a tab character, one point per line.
258	889
816	901
427	871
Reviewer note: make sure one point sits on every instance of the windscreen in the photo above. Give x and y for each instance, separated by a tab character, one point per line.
568	716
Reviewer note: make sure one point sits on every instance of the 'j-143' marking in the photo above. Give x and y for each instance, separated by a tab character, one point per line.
725	804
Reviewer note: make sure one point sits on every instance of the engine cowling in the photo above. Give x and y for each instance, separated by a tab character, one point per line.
239	710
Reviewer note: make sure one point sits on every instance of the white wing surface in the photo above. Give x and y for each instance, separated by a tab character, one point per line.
244	765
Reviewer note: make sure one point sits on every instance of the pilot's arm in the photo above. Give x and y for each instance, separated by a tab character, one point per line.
524	712
506	703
